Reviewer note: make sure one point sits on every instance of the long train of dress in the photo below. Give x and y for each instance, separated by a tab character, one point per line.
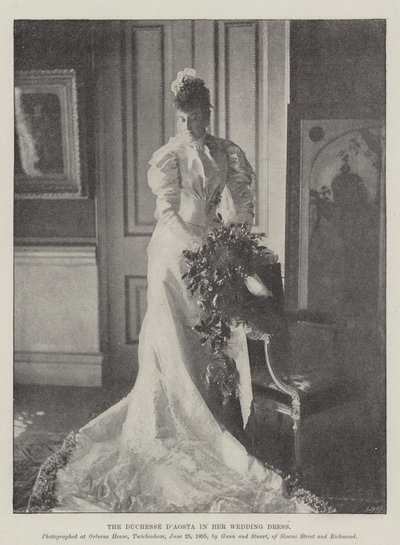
160	449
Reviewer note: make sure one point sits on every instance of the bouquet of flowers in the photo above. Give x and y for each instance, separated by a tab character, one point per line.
222	273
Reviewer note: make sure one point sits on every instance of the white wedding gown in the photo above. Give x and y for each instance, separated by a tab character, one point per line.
160	449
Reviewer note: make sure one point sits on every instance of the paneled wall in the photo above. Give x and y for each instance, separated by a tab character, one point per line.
235	61
143	118
124	73
56	336
55	45
56	274
244	64
338	73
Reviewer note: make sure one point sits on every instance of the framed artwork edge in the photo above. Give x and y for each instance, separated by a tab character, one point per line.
35	184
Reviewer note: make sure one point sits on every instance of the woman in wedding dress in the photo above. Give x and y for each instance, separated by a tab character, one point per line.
160	449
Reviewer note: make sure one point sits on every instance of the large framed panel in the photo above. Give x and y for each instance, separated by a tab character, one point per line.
135	305
205	62
241	86
340	193
238	44
47	158
144	120
335	194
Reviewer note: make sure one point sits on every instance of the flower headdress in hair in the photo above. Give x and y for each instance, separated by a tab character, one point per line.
187	73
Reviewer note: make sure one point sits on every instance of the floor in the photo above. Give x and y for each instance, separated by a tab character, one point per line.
343	449
342	453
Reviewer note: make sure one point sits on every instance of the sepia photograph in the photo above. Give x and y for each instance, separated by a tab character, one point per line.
204	329
199	277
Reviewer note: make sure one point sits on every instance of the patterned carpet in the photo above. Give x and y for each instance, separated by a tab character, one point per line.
344	462
43	416
29	454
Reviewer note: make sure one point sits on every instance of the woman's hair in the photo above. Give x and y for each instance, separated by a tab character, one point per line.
191	94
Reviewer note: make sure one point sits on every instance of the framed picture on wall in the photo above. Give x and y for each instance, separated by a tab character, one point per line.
47	158
336	219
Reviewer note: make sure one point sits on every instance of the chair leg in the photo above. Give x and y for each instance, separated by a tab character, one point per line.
297	455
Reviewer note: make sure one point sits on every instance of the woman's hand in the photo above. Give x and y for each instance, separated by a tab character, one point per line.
194	244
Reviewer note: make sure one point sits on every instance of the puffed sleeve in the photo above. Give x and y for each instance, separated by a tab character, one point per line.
164	181
238	196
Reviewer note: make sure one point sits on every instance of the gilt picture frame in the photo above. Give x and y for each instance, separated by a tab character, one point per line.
46	132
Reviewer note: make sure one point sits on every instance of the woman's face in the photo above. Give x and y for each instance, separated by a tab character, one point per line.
191	125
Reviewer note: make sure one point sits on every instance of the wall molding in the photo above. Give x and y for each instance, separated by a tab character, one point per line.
65	369
132	53
134	287
273	133
56	338
55	255
55	241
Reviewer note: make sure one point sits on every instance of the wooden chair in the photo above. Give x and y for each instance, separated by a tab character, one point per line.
298	375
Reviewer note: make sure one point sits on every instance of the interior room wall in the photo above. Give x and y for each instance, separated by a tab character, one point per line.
331	63
337	69
47	45
219	50
56	302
